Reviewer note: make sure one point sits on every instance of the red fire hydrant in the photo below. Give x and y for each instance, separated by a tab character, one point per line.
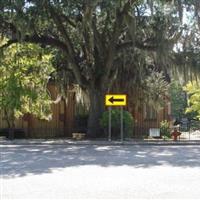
175	134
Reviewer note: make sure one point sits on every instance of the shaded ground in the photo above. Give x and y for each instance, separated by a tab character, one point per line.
91	171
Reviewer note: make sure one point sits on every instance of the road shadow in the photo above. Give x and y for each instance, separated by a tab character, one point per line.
17	161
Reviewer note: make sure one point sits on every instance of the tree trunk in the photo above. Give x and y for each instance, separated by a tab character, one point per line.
11	124
95	112
11	131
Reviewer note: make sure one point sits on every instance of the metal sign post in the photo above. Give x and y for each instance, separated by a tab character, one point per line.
122	126
109	124
115	100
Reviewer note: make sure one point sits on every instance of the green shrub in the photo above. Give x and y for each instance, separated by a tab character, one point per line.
195	125
116	116
165	128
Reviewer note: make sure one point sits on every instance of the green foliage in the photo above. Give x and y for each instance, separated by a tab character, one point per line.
24	74
178	100
193	91
93	34
165	128
155	88
128	122
195	125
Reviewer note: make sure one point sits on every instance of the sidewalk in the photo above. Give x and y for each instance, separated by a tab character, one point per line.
95	142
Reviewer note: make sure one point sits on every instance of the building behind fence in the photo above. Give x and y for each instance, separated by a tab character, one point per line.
59	126
65	116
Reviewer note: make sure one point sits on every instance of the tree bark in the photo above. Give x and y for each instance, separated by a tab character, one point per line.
11	124
11	131
96	110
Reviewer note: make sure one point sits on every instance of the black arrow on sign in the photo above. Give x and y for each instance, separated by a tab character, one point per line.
112	100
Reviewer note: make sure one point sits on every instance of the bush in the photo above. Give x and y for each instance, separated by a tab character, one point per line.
165	128
116	116
195	125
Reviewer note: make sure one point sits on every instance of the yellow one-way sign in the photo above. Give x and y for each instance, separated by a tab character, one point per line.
116	100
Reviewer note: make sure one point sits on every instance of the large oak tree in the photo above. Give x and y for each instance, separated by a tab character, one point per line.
92	35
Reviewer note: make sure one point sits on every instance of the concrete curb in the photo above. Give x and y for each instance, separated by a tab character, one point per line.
91	142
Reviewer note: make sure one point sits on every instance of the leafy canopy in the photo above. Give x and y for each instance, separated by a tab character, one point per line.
178	100
193	91
24	74
95	36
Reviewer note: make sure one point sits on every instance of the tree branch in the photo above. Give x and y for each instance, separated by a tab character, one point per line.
139	45
57	19
70	22
120	14
39	40
175	37
53	42
97	38
71	55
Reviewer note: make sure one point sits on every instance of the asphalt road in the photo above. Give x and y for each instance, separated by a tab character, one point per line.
99	172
